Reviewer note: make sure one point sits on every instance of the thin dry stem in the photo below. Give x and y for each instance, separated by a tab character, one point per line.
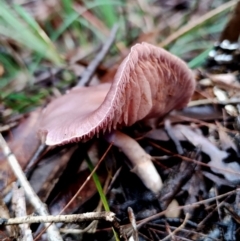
192	205
90	70
52	233
177	229
19	207
72	218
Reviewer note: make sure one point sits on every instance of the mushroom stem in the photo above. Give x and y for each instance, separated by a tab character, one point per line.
141	161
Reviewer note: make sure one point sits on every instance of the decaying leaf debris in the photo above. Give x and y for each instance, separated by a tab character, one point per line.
195	151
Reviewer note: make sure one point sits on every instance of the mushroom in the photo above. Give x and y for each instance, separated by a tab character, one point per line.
149	83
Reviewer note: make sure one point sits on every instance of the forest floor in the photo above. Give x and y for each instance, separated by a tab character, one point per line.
90	190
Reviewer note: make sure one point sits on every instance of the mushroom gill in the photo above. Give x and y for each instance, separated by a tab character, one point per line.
150	82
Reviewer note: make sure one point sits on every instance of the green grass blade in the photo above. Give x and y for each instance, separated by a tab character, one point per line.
98	185
106	9
26	32
199	60
67	6
67	23
100	191
34	25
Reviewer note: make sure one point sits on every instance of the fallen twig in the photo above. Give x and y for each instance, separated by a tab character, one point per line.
71	218
192	205
168	129
52	232
170	236
90	70
19	208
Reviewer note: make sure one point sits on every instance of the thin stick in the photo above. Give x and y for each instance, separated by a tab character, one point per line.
90	70
177	229
34	159
193	160
168	128
71	218
19	208
192	205
52	233
213	101
28	170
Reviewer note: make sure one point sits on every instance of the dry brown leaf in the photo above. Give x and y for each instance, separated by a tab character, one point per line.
226	81
70	189
226	141
48	172
228	170
23	142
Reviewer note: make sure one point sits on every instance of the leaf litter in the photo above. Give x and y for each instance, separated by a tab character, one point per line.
195	151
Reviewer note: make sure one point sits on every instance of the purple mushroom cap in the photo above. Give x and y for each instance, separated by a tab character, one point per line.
150	82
